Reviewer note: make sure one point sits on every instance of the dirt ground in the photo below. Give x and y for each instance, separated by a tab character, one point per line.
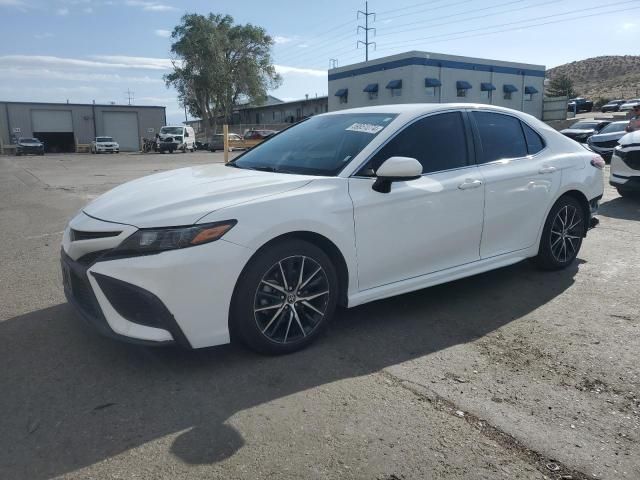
515	373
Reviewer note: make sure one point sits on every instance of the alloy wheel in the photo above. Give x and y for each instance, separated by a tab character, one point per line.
566	233
291	299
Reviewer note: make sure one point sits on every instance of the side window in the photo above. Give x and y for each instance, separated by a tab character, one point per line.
438	142
501	136
534	140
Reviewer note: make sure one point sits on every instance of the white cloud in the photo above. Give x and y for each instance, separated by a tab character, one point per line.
21	73
98	61
281	39
629	26
163	33
13	3
286	70
150	6
303	45
62	11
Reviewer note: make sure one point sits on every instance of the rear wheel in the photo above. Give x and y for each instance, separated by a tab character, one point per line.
562	236
284	298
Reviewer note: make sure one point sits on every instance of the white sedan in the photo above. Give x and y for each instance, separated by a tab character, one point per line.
341	209
104	145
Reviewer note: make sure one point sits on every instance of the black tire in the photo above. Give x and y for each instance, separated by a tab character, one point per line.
626	193
282	332
559	245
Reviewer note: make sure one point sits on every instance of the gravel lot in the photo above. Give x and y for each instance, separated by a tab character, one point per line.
511	374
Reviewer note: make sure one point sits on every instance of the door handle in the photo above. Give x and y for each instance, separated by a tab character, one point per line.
547	170
469	183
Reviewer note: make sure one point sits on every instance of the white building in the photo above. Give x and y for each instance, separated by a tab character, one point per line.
424	77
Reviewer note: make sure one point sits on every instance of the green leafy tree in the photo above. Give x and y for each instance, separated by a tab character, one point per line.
217	63
560	86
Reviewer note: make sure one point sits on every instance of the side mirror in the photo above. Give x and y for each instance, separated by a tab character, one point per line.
396	169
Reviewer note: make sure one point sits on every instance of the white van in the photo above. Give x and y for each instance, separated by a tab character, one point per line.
176	137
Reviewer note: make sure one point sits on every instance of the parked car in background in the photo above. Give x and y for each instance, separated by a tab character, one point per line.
606	139
582	130
104	145
625	165
579	105
612	106
254	137
178	137
629	104
25	146
202	145
236	142
342	208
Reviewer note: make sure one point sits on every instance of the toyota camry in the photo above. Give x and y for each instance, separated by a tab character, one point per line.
341	209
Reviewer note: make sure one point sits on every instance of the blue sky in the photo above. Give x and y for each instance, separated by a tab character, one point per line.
54	50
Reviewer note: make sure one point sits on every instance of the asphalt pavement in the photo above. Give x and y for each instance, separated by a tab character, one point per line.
515	373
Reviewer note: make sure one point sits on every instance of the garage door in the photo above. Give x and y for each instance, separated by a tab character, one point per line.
123	127
51	121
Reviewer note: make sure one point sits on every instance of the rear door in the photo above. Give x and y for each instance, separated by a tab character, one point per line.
521	179
424	225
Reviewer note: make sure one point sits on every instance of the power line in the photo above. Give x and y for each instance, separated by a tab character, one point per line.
524	27
366	29
430	9
512	23
422	22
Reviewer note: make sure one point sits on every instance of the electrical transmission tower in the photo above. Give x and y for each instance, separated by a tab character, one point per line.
333	63
366	14
130	97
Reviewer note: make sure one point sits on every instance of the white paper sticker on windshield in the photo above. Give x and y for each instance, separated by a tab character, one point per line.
365	128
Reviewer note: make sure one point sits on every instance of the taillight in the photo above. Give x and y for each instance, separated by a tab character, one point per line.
598	162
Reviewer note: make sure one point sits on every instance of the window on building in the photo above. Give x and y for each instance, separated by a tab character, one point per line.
501	136
486	90
508	91
438	142
343	95
529	92
431	85
395	87
462	87
371	90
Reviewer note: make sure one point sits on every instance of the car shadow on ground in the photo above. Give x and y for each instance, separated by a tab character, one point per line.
71	398
623	208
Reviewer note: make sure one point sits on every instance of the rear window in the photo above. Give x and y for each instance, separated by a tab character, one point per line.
501	136
535	143
584	125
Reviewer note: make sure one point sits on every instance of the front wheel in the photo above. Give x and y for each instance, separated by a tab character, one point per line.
562	236
284	298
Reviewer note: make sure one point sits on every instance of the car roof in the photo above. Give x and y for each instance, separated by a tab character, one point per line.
420	108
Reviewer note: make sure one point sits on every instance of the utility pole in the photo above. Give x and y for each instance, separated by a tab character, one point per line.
185	114
129	95
366	14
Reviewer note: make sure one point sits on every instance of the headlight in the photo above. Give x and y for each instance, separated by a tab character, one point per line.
155	240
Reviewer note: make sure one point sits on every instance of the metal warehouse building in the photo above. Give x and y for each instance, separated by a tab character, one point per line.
424	77
63	126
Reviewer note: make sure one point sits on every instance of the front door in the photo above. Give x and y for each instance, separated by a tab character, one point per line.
425	225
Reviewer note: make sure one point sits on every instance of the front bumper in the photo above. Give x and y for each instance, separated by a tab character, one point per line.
627	184
179	296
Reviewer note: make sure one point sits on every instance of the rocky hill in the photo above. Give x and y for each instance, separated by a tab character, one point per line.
603	77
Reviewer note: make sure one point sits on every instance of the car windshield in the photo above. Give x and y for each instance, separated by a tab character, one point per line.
585	125
104	139
614	127
318	146
29	140
171	130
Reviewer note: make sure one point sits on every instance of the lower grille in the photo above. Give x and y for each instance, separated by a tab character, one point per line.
631	159
608	144
82	292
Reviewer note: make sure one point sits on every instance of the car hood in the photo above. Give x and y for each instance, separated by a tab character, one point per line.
605	137
183	196
630	139
576	131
